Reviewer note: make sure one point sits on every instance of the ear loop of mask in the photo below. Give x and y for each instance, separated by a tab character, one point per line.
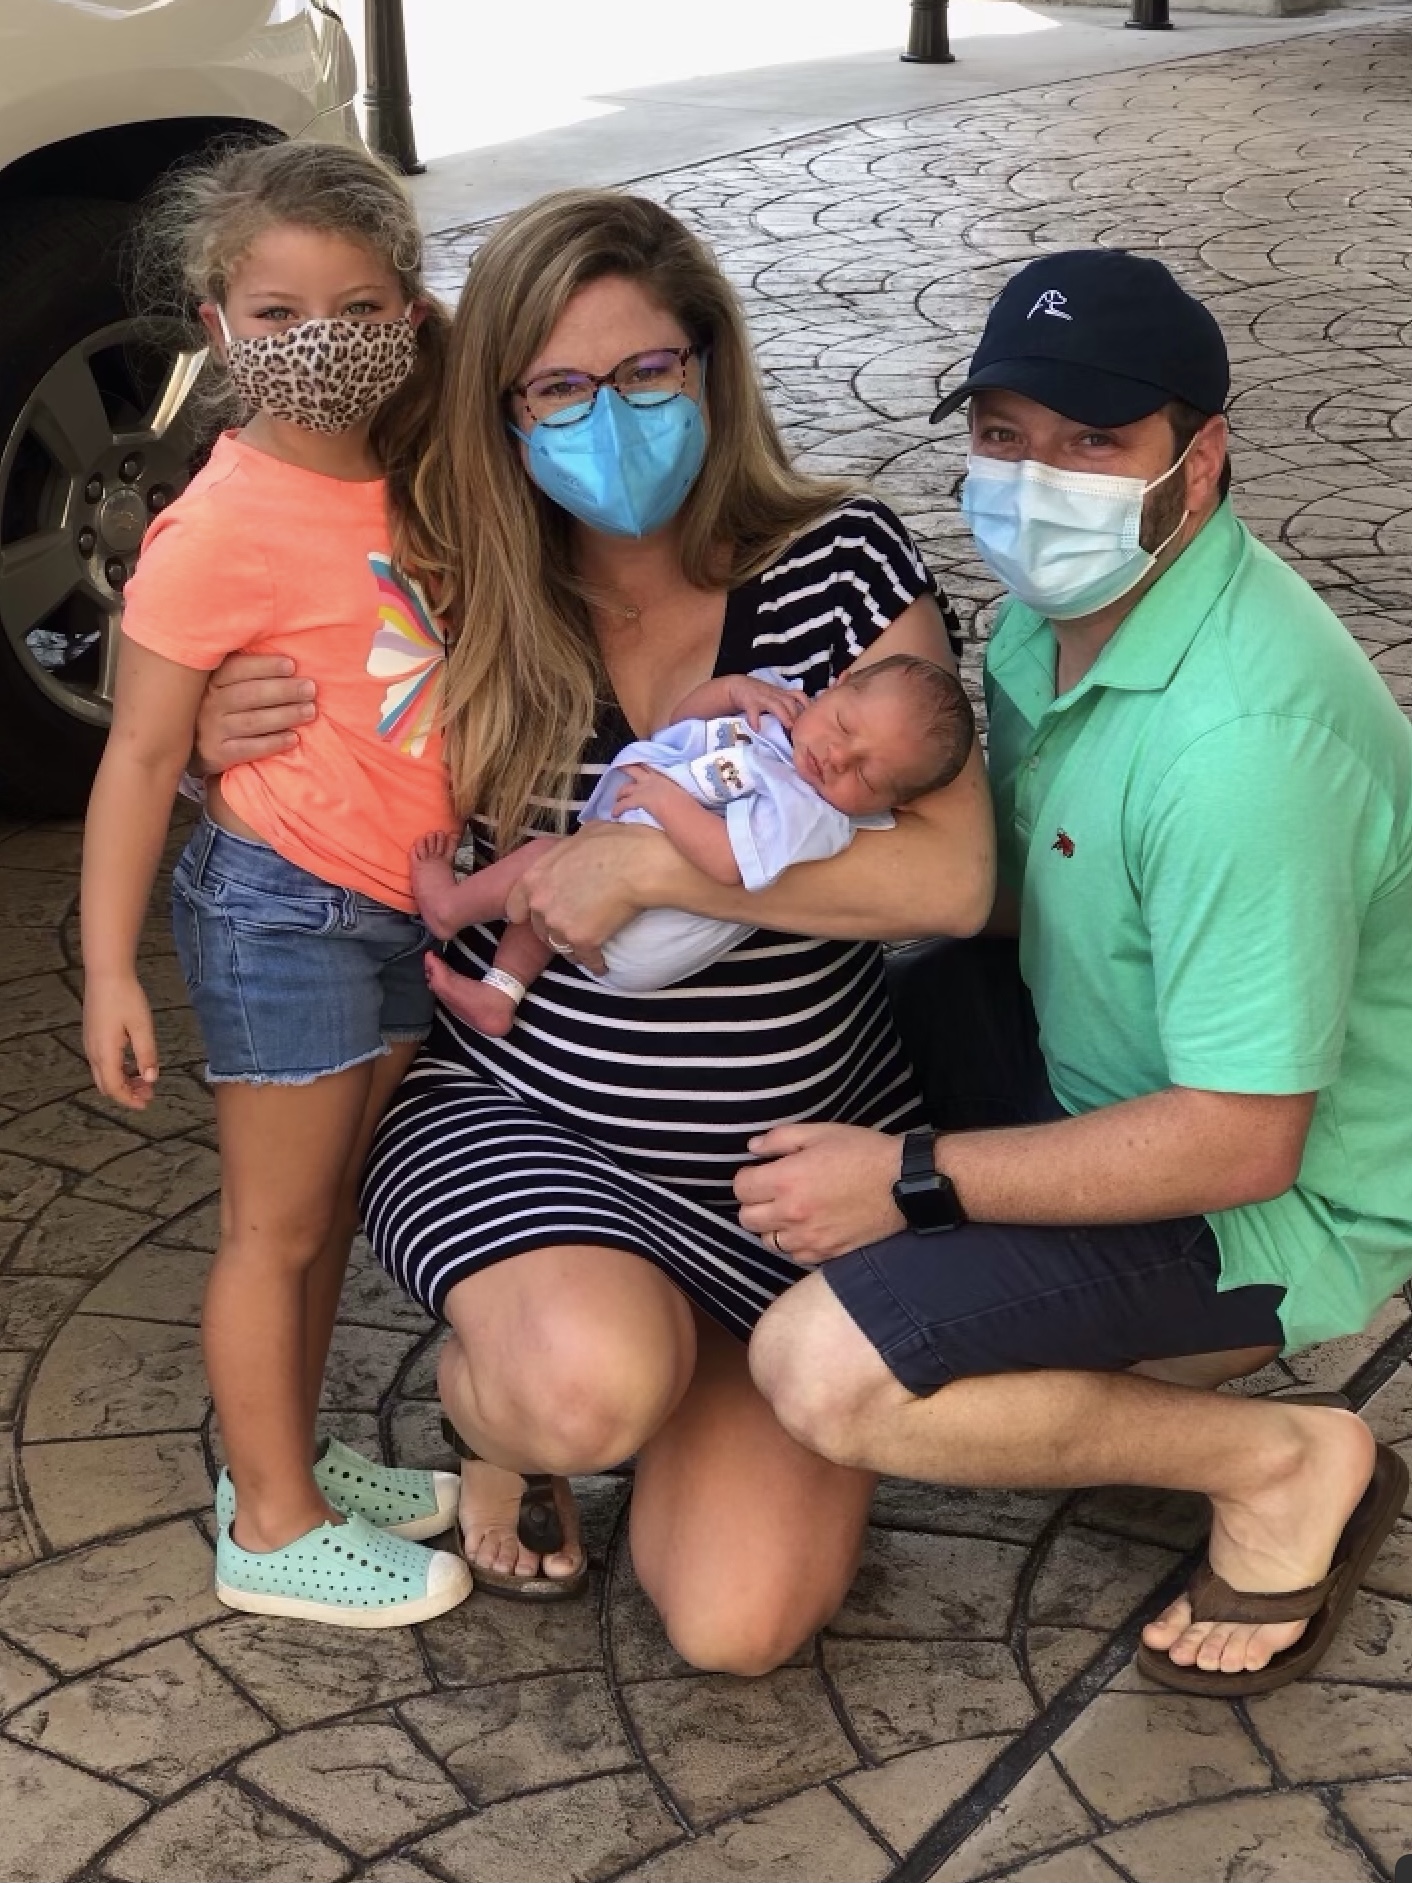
1172	536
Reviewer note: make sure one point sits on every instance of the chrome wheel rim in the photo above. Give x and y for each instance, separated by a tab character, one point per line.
101	447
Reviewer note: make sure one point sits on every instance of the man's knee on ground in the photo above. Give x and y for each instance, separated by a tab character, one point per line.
821	1375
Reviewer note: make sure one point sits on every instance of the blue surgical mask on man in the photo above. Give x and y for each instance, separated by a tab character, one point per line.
1066	543
625	469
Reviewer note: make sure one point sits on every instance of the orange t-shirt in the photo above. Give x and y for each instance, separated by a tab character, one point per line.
261	557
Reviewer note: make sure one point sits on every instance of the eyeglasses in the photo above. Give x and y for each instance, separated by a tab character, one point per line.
564	397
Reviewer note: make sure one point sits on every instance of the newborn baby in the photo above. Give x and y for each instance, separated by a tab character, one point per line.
749	778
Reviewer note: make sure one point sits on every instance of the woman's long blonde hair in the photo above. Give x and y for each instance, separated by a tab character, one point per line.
525	676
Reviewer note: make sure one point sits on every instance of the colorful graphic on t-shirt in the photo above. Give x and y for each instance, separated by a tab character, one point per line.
409	652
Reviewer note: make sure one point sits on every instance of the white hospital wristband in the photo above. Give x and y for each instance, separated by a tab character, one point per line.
507	984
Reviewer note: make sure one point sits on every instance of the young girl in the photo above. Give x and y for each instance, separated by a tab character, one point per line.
292	902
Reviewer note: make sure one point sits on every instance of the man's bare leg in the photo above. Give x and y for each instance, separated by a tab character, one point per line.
1207	1371
1283	1480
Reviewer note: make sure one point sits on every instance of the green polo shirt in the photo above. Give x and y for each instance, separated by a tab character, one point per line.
1211	837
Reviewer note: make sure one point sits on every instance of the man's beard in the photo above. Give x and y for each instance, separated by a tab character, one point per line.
1162	511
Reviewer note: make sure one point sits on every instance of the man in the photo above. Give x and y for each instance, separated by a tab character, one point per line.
1204	796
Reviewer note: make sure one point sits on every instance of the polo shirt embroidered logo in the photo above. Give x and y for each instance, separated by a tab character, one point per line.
1063	843
1053	303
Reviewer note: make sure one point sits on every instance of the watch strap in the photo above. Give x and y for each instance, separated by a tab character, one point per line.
919	1156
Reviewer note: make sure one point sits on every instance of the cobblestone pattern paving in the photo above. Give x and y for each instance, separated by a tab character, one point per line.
973	1703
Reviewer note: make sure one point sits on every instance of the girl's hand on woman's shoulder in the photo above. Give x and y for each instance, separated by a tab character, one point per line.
253	707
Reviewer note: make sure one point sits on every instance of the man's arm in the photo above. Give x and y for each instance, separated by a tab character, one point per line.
1252	964
828	1188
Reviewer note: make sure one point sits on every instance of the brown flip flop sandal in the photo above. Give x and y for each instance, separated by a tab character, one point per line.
1323	1604
540	1529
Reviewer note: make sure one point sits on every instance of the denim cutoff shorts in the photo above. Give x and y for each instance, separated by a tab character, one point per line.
291	977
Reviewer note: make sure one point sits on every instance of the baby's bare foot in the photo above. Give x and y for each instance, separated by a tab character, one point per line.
434	882
487	1009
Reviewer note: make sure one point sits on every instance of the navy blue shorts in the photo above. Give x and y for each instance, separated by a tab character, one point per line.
1005	1298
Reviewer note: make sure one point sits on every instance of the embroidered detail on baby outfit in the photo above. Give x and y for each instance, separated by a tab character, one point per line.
724	774
408	651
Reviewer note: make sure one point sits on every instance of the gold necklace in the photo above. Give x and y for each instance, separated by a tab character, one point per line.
629	611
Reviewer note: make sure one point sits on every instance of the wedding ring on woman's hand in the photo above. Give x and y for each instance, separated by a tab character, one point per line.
772	1236
559	946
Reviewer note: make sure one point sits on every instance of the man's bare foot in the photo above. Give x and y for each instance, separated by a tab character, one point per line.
434	883
490	1514
1280	1536
487	1009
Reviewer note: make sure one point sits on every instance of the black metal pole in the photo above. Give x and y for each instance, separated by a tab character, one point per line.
388	97
1149	16
927	43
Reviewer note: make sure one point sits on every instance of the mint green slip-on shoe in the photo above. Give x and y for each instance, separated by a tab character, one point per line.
411	1504
347	1575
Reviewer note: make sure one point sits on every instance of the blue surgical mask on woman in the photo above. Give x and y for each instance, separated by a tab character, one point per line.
1066	543
625	469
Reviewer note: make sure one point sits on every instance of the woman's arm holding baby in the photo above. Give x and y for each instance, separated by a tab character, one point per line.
933	874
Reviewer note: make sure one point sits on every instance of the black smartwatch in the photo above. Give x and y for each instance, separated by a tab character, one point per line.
925	1196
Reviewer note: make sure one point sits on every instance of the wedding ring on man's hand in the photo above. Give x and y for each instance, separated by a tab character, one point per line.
772	1236
560	947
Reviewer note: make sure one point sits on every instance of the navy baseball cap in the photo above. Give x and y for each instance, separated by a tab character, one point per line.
1101	336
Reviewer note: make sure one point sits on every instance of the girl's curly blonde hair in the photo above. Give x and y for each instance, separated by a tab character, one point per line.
202	219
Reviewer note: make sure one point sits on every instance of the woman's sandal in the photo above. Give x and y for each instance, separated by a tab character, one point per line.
1322	1604
540	1529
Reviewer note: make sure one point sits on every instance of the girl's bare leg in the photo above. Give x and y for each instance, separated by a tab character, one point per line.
285	1151
447	906
746	1542
323	1286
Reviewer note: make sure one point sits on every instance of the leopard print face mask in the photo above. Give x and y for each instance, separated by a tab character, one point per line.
325	375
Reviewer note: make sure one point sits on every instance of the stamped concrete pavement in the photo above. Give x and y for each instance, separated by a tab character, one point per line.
972	1711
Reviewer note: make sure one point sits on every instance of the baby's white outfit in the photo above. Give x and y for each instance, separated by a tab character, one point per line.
773	817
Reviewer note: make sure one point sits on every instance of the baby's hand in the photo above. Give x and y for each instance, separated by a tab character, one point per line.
116	1016
647	790
754	698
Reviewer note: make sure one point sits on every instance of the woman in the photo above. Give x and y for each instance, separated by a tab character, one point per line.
563	1197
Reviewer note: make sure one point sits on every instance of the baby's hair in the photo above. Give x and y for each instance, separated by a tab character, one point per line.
201	220
944	715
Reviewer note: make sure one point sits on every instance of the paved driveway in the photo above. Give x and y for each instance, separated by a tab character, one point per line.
973	1703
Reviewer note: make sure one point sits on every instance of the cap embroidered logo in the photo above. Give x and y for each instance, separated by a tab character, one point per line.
1053	303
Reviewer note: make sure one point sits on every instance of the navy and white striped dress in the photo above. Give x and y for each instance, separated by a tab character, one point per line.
620	1120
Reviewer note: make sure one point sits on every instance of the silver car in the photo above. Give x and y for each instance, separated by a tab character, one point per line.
97	99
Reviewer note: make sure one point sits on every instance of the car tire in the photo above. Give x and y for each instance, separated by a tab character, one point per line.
71	516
